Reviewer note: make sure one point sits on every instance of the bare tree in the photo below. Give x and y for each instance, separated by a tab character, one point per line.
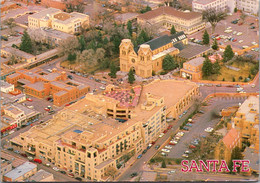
213	17
100	54
87	57
69	45
111	171
10	23
37	35
243	17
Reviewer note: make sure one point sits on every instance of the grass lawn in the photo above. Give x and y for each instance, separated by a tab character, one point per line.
228	74
77	67
161	178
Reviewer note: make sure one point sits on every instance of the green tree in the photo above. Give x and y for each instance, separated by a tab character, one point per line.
216	68
173	31
131	76
215	45
213	17
82	43
240	78
26	44
235	10
146	9
113	70
205	37
169	63
233	79
129	28
223	79
207	67
228	53
72	57
163	164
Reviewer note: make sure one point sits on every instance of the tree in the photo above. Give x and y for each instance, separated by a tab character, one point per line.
240	78
163	164
77	6
129	28
82	43
235	10
131	76
216	68
228	53
173	31
205	37
88	57
243	17
146	9
233	79
207	67
213	17
10	23
223	79
26	44
72	57
113	70
111	171
215	45
69	45
100	54
169	63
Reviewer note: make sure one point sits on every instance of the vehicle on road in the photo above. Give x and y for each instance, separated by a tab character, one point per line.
149	146
37	161
188	124
187	152
166	150
10	149
24	155
56	169
218	85
157	146
171	172
133	174
17	152
138	157
70	76
185	128
102	87
47	164
144	151
161	135
30	158
253	85
29	99
63	172
71	175
192	147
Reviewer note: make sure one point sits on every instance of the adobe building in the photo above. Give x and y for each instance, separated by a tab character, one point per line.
192	69
148	57
88	139
165	16
41	84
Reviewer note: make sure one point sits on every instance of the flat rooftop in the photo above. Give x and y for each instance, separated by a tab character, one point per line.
4	84
44	13
191	51
16	161
40	175
250	108
39	86
18	52
21	170
196	61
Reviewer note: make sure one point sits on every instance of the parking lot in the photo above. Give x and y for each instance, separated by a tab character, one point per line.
201	122
248	35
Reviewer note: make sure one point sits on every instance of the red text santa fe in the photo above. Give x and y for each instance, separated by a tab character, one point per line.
214	166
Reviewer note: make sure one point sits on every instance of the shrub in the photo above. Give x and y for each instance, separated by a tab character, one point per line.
163	164
233	79
178	161
223	79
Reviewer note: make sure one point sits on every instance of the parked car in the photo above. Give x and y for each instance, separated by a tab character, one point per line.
71	175
157	146
161	135
188	124
163	154
166	150
144	151
192	147
187	152
29	99
47	164
10	149
78	178
138	157
30	158
37	161
168	147
70	76
169	127
149	146
56	169
46	109
17	152
165	131
185	155
133	174
24	155
209	129
63	172
186	129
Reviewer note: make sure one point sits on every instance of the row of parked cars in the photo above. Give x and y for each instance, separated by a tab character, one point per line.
173	142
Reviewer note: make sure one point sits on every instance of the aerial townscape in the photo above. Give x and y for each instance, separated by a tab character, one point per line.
129	90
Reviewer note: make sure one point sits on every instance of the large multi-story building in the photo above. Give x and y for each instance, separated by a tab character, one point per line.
166	16
249	6
85	139
149	56
21	56
39	83
246	120
58	20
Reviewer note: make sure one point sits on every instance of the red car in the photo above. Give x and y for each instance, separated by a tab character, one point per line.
165	131
192	147
234	40
29	99
240	23
171	144
218	38
169	127
24	155
71	175
20	32
153	142
37	161
67	105
46	109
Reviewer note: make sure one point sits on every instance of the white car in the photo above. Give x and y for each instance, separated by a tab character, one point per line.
239	33
168	147
209	129
225	40
177	137
254	43
180	134
253	85
228	31
161	135
244	47
187	152
241	41
56	169
166	150
185	155
163	154
235	32
48	165
174	142
172	171
102	87
229	28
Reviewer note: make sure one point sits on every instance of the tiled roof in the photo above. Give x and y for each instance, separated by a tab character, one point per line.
204	2
169	11
230	137
192	50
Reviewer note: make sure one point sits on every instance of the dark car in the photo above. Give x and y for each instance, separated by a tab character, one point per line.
185	128
202	112
144	151
157	147
78	178
138	157
10	148
24	155
73	72
63	172
252	27
70	76
133	174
